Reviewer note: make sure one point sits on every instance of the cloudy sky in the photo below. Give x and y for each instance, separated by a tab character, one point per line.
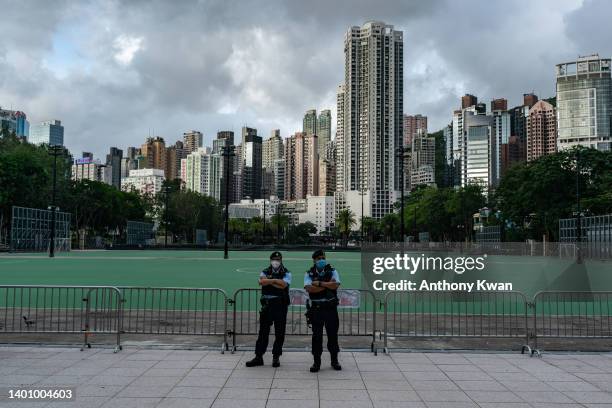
116	71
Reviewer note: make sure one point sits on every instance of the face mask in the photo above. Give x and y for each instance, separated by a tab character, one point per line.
275	264
321	263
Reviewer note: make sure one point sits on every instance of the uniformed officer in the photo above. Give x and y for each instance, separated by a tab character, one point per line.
274	282
322	282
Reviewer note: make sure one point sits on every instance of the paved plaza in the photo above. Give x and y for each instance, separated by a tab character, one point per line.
138	377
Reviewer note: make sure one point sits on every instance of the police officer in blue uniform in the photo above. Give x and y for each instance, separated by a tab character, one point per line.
322	282
274	282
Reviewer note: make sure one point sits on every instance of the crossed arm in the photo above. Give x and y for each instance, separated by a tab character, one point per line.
319	286
277	283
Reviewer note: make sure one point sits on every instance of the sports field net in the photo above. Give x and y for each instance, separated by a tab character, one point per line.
31	230
140	233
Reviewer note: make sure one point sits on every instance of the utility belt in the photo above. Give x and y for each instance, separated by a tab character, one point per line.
324	304
271	302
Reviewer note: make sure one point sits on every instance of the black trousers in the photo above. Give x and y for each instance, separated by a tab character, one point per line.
325	317
272	313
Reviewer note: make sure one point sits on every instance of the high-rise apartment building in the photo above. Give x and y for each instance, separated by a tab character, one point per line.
373	114
584	103
251	153
113	163
339	143
309	123
468	100
499	104
324	130
279	178
154	153
541	130
192	141
144	181
50	132
423	160
272	149
203	172
224	138
301	166
174	155
414	125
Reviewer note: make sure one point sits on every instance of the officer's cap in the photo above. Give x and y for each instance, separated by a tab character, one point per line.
276	254
318	253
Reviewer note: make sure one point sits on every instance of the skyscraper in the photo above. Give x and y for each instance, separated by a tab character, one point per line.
224	138
541	130
192	140
324	130
309	123
373	115
272	149
500	104
251	153
340	143
584	103
174	155
301	166
154	152
413	125
113	163
468	100
50	132
14	121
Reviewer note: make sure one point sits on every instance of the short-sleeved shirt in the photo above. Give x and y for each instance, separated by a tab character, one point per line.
286	278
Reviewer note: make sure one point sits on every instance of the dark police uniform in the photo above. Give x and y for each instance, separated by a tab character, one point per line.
274	305
324	311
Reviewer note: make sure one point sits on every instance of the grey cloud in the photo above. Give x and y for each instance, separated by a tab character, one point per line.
215	64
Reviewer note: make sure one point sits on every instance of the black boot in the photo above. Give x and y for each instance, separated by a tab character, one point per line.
257	361
335	364
316	366
275	362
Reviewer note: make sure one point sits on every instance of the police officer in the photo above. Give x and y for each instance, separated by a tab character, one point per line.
274	282
322	282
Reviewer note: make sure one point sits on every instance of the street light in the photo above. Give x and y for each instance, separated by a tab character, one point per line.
166	191
228	153
362	193
55	151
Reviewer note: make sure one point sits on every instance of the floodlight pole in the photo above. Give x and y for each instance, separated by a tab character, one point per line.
228	152
166	193
263	234
579	210
55	151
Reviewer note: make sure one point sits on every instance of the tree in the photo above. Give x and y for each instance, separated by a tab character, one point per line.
301	233
370	228
345	223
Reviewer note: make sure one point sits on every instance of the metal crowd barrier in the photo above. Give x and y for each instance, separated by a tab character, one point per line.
455	314
61	309
572	315
179	311
356	312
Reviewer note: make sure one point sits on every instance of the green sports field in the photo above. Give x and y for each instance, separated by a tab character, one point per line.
198	269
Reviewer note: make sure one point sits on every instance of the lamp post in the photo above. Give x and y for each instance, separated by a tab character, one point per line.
166	191
362	193
278	223
55	151
228	153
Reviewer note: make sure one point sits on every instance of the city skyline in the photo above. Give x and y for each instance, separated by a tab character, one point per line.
111	86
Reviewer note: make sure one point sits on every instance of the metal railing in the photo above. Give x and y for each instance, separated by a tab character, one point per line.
90	310
572	315
179	311
356	313
61	309
455	314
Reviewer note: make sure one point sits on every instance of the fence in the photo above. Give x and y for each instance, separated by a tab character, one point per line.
180	311
455	314
61	309
31	229
356	312
90	310
572	315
